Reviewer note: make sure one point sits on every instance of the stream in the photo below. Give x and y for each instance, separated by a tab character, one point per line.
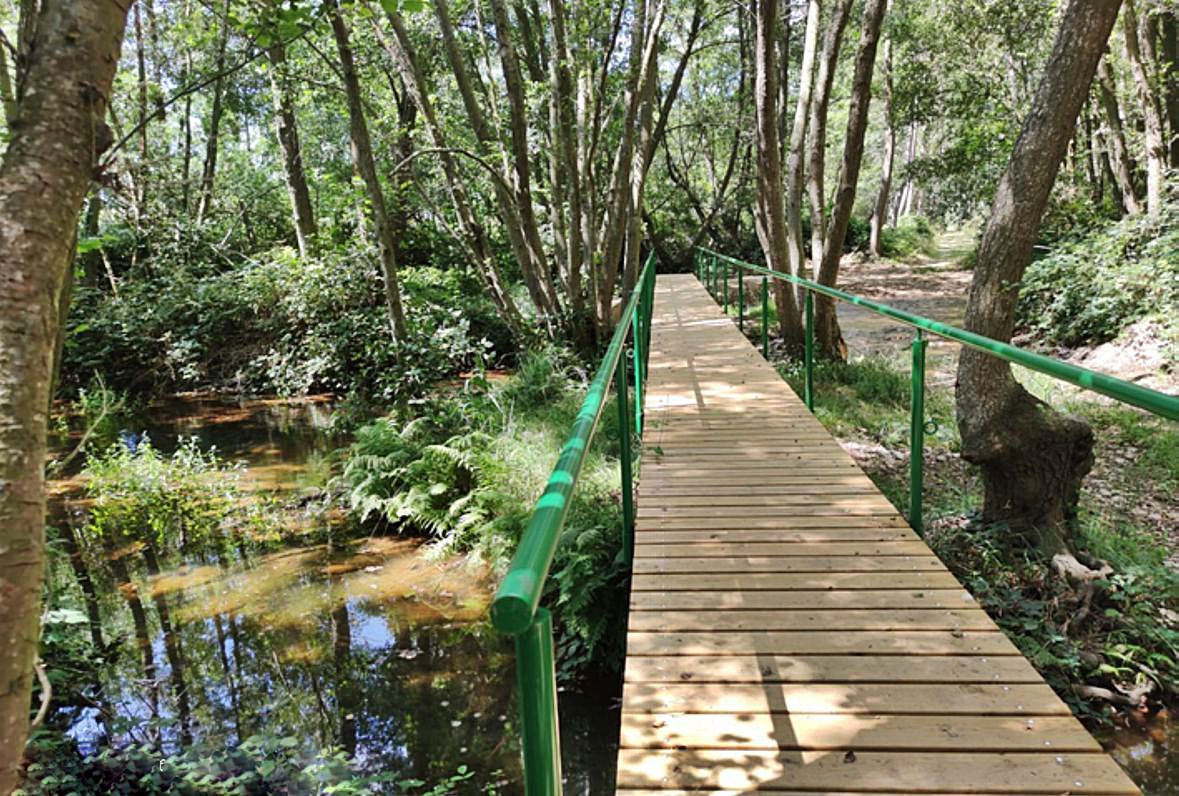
372	645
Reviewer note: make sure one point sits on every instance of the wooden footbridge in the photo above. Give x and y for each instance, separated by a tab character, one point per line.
788	630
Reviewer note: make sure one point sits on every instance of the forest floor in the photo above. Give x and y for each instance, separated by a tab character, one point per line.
1135	477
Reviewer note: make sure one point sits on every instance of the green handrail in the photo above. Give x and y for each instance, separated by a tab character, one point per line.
1153	401
515	608
1158	403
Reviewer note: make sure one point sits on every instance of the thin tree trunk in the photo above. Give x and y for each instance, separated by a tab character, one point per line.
828	339
287	131
172	650
1169	23
362	156
817	149
140	192
880	210
1033	460
794	165
44	176
1115	139
73	549
1156	150
209	172
771	204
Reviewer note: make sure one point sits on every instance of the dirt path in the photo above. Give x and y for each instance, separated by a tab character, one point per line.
932	287
936	288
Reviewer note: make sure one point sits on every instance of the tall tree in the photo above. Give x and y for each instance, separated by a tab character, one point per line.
1115	140
68	53
794	163
771	204
213	133
1148	105
286	127
362	157
827	335
1033	459
817	127
880	209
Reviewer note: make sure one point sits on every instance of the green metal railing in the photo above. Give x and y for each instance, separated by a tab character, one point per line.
516	610
712	269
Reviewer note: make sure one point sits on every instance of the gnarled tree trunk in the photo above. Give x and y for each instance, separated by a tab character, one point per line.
1033	459
70	49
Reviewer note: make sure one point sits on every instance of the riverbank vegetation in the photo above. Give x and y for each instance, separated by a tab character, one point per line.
416	222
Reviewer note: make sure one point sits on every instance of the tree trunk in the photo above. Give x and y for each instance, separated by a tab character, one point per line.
1169	23
140	192
1033	460
880	210
362	157
828	339
806	76
817	149
44	177
1115	140
287	131
209	171
771	205
1156	150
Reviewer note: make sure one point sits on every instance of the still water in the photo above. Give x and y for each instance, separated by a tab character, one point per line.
372	645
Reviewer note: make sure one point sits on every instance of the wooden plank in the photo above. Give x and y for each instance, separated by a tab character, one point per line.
964	772
760	669
827	620
976	699
800	642
749	564
714	549
858	499
788	600
862	732
649	536
856	488
884	509
789	581
780	523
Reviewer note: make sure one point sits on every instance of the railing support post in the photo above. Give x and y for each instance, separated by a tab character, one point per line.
624	460
740	300
725	288
765	317
636	357
809	354
536	678
917	434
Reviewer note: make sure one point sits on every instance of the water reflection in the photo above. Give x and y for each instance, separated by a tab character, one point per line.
370	645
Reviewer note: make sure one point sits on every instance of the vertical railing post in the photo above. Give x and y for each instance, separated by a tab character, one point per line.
624	459
740	300
536	678
636	357
725	288
765	317
917	434
809	352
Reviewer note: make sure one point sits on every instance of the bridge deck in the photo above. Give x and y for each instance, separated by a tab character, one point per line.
788	631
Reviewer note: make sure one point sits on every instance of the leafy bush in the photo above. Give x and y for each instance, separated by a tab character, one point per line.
911	236
474	490
188	501
259	765
280	323
1089	289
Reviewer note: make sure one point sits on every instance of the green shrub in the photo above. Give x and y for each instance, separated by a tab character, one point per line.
259	765
189	501
1089	289
913	235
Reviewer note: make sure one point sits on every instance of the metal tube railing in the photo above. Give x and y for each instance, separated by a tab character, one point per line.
515	608
1153	401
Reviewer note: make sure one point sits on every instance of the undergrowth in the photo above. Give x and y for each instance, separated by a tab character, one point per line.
465	469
